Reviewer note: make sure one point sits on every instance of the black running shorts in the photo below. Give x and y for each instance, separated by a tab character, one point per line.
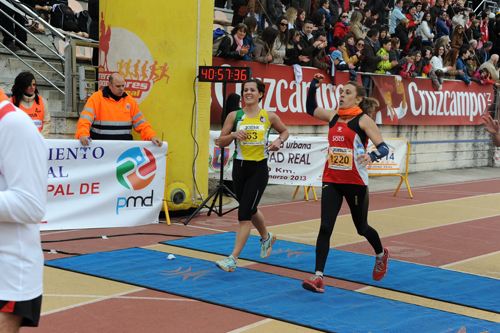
28	310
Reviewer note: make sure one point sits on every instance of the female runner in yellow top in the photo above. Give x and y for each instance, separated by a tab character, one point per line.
249	128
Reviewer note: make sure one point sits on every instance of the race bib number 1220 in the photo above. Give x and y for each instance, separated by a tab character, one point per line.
340	158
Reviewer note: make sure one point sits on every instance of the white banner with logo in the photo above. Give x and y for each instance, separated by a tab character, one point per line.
394	162
107	184
301	160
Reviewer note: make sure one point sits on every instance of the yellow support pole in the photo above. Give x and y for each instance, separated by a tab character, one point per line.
165	206
306	192
403	178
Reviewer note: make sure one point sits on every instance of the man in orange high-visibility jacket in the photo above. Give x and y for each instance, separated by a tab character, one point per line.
110	114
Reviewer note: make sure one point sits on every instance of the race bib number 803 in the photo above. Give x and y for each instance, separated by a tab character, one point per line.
255	135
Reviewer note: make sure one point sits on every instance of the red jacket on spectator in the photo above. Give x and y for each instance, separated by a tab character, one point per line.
407	70
484	30
412	21
341	29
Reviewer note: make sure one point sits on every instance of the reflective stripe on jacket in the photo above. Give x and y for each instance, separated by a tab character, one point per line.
104	118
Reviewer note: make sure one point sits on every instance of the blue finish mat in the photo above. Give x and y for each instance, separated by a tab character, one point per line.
430	282
268	295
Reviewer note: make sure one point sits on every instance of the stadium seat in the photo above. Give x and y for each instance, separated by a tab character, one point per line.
229	29
218	26
75	5
220	17
86	55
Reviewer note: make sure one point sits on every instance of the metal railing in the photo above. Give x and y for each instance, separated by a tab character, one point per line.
486	3
69	75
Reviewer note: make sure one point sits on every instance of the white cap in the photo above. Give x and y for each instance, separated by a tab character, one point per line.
492	15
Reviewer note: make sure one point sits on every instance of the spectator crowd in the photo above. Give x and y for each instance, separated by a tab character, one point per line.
444	40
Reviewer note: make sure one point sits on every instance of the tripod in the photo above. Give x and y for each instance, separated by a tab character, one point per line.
219	190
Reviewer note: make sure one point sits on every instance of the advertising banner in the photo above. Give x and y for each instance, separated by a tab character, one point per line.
284	94
415	101
394	162
160	69
107	184
301	160
412	101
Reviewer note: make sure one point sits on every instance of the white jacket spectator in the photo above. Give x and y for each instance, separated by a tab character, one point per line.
437	64
425	32
279	51
459	19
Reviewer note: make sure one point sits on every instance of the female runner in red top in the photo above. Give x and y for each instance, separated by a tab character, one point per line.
345	174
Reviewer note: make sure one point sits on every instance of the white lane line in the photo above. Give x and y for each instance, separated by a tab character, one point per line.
90	302
422	229
205	228
123	297
485	228
289	212
103	298
44	233
427	247
470	259
254	325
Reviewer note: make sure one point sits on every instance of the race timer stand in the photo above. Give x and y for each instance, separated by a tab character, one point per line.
224	75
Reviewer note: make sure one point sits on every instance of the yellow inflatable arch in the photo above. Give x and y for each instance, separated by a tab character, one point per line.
157	46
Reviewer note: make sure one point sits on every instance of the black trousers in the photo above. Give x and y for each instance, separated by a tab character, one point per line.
249	181
331	201
11	27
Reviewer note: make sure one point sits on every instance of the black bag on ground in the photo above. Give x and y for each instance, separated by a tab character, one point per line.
64	18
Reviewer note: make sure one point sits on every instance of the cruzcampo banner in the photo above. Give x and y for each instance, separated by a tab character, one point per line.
106	184
286	90
415	101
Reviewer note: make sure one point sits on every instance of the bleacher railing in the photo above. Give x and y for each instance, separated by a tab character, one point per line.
69	59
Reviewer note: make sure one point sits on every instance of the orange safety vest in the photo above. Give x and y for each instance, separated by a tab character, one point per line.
103	118
36	112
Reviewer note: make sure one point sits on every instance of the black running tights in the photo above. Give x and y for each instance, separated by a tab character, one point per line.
331	202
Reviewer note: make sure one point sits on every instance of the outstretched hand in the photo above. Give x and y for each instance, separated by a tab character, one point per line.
490	124
320	77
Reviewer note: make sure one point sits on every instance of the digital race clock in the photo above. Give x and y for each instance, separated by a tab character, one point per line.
224	74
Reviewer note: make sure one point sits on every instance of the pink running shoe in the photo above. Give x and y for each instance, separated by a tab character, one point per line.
380	269
314	284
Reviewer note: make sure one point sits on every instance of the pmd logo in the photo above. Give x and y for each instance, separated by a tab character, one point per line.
136	168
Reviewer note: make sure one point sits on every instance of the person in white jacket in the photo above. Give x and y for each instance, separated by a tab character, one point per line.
438	69
23	196
460	18
280	43
425	29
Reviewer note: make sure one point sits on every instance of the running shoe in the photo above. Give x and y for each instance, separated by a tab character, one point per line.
228	264
380	269
266	245
314	284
